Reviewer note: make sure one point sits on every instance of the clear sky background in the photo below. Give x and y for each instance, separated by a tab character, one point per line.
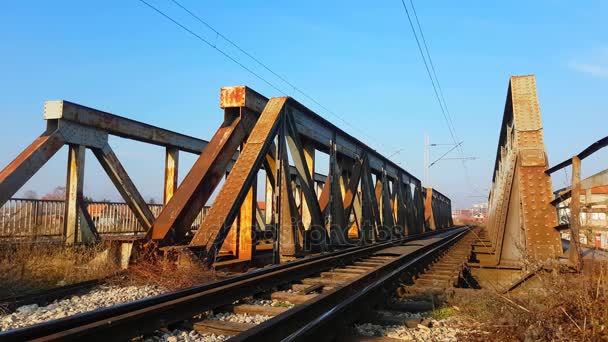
358	58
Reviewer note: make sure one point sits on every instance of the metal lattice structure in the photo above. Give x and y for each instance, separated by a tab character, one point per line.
521	219
364	197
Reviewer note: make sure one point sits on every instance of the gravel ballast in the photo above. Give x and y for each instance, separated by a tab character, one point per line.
98	297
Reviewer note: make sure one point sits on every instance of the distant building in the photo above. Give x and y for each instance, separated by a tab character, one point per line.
478	214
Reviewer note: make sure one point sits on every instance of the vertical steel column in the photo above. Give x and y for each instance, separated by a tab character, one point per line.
246	242
309	155
74	189
171	169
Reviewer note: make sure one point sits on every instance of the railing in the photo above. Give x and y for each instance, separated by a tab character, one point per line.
568	201
30	218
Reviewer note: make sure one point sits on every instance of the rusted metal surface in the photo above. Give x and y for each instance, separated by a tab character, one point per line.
428	208
74	212
246	226
346	211
520	221
290	224
223	212
171	173
301	158
242	97
176	218
77	125
437	209
123	183
352	188
320	131
120	126
28	162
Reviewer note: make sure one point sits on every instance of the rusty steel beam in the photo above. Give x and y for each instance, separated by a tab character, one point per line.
247	223
418	212
171	173
290	224
28	162
402	208
121	126
429	216
123	183
335	220
370	213
352	188
180	212
304	173
388	220
222	213
320	131
308	150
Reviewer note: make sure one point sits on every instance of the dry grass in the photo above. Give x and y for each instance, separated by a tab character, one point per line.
29	268
557	306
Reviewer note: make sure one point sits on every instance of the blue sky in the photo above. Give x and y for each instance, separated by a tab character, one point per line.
358	58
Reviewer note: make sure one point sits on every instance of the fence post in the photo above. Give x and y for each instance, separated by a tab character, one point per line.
575	206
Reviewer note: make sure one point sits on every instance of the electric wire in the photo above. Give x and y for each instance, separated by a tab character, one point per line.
212	46
256	60
437	86
426	65
426	48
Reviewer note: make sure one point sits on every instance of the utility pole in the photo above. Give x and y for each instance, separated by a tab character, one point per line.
426	160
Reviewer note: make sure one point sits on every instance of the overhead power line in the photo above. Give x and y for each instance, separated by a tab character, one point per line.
212	46
428	71
256	60
438	90
426	48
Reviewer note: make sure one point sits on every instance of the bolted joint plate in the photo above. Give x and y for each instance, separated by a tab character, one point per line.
53	110
533	157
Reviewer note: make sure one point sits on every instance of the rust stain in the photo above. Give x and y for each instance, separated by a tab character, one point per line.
233	96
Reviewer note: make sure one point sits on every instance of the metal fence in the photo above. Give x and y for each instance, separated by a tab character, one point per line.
31	217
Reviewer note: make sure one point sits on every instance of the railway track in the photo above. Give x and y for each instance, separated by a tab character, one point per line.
329	292
424	292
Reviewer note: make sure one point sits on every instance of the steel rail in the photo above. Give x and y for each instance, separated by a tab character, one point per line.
323	316
149	314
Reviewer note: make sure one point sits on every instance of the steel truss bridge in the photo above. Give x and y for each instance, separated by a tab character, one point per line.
364	198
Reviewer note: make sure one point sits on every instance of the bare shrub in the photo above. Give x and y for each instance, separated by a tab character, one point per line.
556	306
